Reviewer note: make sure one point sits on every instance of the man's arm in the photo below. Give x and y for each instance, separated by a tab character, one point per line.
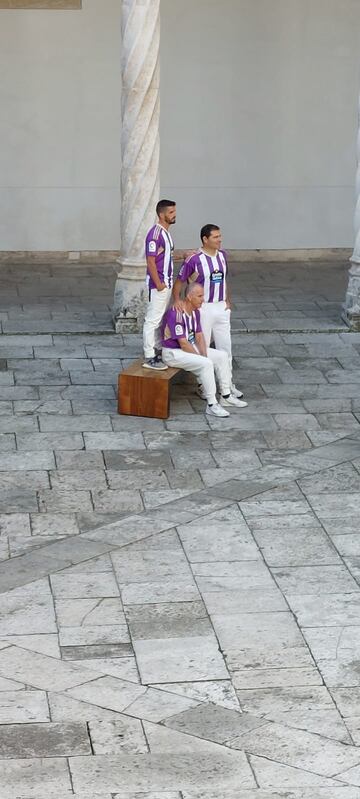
153	272
200	344
177	301
186	346
228	297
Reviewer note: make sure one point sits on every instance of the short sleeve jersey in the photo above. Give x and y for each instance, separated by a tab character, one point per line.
209	271
179	324
160	245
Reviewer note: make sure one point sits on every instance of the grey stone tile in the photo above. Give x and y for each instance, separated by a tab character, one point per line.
35	778
261	678
203	458
89	612
310	708
162	590
41	562
299	749
284	439
214	723
93	635
122	667
326	611
79	460
179	659
137	478
114	441
93	652
244	601
138	460
171	440
26	461
114	501
49	441
157	706
121	424
168	620
84	423
117	736
274	778
315	580
159	773
217	692
65	708
84	586
23	707
296	421
215	576
223	538
160	556
107	692
264	506
43	740
69	479
335	504
45	644
53	524
18	424
294	545
15	524
41	671
157	498
60	500
7	442
342	478
27	610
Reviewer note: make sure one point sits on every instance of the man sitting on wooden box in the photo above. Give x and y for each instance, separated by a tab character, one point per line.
184	347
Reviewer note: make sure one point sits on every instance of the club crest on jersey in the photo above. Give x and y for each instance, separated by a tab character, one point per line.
179	330
152	246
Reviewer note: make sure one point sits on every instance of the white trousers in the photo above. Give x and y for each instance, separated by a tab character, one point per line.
205	369
215	322
158	303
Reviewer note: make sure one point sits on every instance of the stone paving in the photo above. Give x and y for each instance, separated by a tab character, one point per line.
179	600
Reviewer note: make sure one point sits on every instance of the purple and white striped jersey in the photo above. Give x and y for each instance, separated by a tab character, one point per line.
208	270
160	244
179	324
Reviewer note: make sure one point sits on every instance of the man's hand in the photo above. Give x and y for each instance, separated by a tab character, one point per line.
179	305
161	287
228	305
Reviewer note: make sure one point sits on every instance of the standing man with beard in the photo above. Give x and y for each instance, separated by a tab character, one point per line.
159	249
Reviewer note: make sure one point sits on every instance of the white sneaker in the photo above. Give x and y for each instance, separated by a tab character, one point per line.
216	410
231	400
235	391
200	391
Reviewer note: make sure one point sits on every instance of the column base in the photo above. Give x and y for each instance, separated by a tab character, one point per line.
351	309
130	296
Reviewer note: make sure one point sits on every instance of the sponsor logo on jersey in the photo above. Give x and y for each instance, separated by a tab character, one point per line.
179	330
152	246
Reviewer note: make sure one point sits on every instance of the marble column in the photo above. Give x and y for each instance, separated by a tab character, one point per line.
140	154
352	300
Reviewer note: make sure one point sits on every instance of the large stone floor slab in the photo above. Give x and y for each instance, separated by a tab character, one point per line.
179	599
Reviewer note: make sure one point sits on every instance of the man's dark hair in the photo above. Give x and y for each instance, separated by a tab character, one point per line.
206	231
162	204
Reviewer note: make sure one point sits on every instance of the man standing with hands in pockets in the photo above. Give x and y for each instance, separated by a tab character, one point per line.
159	249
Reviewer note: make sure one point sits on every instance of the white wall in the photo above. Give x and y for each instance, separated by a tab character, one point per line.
60	128
259	107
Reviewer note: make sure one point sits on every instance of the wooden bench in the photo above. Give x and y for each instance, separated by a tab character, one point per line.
145	392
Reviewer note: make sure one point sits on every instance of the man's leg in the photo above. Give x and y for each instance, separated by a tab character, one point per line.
222	337
198	365
158	303
203	369
220	359
222	370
